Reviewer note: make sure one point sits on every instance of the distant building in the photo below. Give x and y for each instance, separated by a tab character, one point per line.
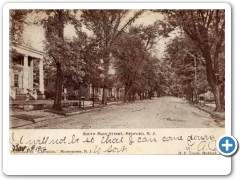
70	90
87	92
207	96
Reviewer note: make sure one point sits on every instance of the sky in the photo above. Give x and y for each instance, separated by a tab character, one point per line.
33	35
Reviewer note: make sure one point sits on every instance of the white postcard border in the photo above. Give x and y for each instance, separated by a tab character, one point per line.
120	164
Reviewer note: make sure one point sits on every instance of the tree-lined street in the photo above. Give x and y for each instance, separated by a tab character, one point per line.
165	112
156	62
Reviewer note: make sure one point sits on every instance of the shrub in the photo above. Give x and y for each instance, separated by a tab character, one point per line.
49	94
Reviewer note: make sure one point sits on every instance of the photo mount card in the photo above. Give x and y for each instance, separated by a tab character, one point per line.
137	92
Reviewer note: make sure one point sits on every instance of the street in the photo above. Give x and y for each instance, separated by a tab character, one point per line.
164	112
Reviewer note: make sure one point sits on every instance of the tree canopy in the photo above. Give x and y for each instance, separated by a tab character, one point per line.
110	39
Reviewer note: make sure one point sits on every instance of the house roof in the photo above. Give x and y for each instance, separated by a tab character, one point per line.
28	48
25	49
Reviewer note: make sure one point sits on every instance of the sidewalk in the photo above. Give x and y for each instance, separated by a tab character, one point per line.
219	117
19	117
42	104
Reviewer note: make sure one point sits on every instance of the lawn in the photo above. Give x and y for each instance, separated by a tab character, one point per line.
26	117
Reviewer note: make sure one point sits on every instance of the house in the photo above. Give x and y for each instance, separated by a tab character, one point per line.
87	91
70	90
26	76
207	96
113	93
22	75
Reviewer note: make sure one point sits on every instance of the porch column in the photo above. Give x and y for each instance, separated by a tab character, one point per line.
41	77
31	75
25	73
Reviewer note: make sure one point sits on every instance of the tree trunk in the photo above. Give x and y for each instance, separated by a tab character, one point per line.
133	96
93	99
104	96
217	95
125	93
196	95
80	96
213	78
58	90
222	90
129	97
150	94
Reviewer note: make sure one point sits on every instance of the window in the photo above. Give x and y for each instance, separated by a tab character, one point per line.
15	80
18	60
29	61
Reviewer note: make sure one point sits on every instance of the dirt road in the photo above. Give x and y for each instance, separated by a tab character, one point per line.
165	112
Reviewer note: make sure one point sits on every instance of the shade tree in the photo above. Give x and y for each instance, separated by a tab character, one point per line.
206	28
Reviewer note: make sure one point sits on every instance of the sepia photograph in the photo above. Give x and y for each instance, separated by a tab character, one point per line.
116	68
117	89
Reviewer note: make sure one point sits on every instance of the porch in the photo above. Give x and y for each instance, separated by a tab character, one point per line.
26	74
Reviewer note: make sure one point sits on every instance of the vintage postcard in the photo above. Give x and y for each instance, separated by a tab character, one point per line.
118	80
